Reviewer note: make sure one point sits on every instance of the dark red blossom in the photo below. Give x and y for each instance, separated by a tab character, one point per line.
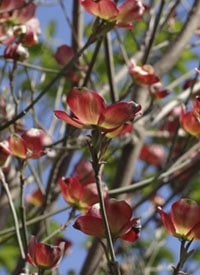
144	74
190	123
184	219
119	215
80	195
16	52
67	244
36	198
63	56
153	154
122	16
43	255
29	145
4	152
90	110
84	172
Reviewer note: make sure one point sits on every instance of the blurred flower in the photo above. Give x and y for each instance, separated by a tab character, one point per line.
119	215
80	195
157	200
6	5
122	16
196	108
67	245
189	83
143	75
23	14
36	198
4	152
184	219
16	52
63	55
28	33
197	70
153	154
84	172
190	123
30	145
18	24
157	91
43	255
172	120
90	111
129	12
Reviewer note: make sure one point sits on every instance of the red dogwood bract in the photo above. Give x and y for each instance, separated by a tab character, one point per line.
90	111
190	123
64	54
43	255
30	145
84	172
80	195
67	244
183	221
16	52
123	16
119	215
153	154
36	198
143	75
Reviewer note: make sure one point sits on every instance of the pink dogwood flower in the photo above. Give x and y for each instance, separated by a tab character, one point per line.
29	145
153	154
18	23
67	246
122	16
190	123
22	15
63	56
16	52
90	111
143	75
157	91
80	195
183	221
43	255
4	152
84	172
119	215
36	198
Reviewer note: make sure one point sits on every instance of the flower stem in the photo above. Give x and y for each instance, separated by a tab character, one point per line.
22	206
5	185
184	254
113	264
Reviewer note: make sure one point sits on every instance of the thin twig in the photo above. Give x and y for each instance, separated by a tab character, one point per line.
14	214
